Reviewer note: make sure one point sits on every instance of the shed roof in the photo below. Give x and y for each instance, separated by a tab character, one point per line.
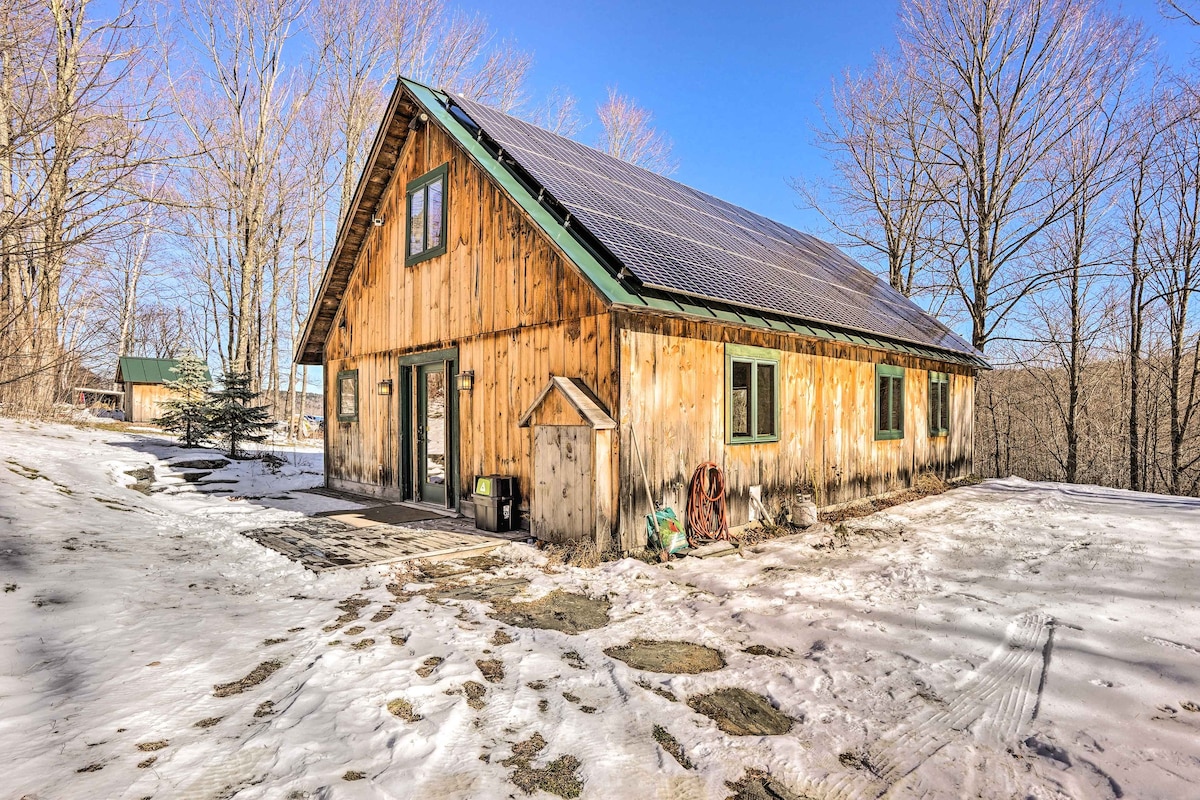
131	369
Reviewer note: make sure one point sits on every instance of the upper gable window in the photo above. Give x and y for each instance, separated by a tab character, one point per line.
426	228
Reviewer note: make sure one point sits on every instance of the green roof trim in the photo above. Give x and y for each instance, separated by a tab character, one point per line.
621	293
147	370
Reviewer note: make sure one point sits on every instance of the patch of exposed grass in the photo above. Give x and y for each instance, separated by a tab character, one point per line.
272	642
147	763
399	640
355	630
431	663
756	784
537	686
353	775
208	722
669	743
363	644
673	657
492	669
574	659
383	613
150	747
501	638
661	691
570	698
560	777
399	707
91	768
558	611
351	609
257	675
265	709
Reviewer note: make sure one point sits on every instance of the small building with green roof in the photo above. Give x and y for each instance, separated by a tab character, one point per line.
144	381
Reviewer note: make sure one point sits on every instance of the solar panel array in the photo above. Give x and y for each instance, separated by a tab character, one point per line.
678	239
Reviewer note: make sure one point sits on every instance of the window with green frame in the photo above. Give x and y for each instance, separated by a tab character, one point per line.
751	394
347	395
889	402
939	404
425	232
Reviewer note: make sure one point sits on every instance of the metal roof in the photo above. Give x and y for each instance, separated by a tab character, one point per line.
670	242
131	369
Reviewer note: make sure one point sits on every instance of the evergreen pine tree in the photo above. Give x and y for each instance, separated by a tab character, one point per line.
187	413
233	418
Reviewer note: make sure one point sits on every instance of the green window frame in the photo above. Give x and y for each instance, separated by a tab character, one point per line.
889	402
939	404
425	233
347	395
751	394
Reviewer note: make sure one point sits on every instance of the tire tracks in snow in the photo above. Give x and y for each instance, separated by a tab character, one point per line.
996	703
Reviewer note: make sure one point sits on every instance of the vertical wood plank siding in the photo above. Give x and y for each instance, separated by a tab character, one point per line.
502	295
673	392
143	401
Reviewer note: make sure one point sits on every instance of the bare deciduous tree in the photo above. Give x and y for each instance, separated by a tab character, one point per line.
628	133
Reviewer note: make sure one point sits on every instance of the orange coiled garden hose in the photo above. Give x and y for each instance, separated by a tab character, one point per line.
706	517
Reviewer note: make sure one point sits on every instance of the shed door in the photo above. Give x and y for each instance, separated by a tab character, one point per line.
562	508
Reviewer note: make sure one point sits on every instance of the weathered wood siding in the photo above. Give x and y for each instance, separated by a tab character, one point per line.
143	401
517	311
673	397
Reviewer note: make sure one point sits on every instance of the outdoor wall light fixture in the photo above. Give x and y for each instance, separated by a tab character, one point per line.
384	387
466	380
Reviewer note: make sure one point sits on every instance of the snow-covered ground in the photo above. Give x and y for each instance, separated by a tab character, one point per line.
1005	640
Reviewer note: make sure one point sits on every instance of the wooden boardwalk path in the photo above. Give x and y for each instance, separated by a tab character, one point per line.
322	543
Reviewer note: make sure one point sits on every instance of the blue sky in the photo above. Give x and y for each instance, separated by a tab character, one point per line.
735	85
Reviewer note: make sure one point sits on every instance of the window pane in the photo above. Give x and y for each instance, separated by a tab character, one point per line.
935	400
897	404
883	403
416	222
765	399
349	397
740	399
435	214
944	405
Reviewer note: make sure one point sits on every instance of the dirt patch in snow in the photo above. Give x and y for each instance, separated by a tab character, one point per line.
431	663
680	658
741	713
758	785
559	777
669	743
492	669
474	690
403	709
558	611
482	592
256	676
200	463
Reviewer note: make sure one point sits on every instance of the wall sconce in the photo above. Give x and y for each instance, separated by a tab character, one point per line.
384	387
466	380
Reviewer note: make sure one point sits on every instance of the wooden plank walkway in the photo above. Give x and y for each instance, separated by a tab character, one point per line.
321	544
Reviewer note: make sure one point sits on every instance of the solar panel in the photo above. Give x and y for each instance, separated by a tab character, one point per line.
677	239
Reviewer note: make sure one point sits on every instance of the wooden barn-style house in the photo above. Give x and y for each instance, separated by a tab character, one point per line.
503	300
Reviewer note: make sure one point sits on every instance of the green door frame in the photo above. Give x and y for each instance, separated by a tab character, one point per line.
412	369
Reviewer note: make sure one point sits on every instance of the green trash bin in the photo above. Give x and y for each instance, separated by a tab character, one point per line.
495	503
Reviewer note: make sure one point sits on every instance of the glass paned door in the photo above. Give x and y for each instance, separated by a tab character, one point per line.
432	422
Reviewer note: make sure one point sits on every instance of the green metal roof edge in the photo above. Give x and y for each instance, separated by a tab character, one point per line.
434	103
135	369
